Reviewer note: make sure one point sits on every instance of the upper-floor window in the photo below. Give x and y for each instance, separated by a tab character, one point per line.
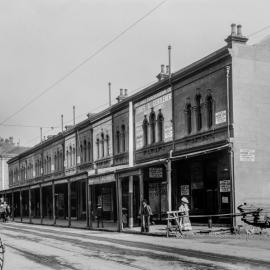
107	145
102	145
117	141
89	151
209	110
152	124
98	154
145	131
160	125
123	136
198	112
188	118
84	151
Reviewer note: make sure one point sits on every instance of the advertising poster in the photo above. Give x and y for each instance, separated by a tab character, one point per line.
160	102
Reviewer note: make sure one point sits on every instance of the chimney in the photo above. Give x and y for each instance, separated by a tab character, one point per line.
162	74
167	69
126	92
236	36
123	95
239	30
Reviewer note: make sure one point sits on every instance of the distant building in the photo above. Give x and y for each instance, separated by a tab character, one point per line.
8	150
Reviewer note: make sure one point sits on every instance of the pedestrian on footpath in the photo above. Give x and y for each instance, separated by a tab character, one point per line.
146	214
99	215
184	212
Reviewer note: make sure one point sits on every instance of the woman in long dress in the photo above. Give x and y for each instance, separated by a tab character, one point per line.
184	209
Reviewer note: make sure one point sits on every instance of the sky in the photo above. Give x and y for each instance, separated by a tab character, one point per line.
41	41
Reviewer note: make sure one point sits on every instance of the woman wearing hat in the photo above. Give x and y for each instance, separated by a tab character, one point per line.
183	208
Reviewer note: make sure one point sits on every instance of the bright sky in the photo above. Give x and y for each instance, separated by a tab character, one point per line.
43	40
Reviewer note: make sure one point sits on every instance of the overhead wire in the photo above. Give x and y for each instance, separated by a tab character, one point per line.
83	62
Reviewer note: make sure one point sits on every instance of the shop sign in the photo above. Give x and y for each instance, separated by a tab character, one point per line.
184	190
102	179
225	199
155	172
247	155
225	185
220	117
159	103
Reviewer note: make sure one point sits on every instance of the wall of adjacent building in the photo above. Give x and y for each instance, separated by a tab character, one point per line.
251	106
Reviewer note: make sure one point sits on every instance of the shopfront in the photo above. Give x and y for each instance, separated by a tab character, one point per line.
103	199
155	191
205	181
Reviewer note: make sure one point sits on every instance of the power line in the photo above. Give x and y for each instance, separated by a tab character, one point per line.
87	59
259	31
27	126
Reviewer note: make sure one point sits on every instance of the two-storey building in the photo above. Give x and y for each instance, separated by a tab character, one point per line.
200	132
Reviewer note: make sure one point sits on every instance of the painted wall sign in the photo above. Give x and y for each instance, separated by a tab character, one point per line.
221	117
225	185
247	155
184	190
155	172
160	103
101	179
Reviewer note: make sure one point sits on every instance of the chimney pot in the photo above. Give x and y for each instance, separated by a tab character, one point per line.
239	30
126	92
121	92
167	69
233	29
162	69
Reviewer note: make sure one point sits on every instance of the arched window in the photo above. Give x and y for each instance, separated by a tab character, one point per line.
145	131
123	134
81	153
117	141
98	154
67	159
189	124
45	165
102	144
85	151
89	152
160	125
74	156
70	157
60	166
107	145
198	112
55	163
209	110
152	123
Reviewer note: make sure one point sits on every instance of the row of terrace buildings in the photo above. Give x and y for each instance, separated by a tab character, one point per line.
201	132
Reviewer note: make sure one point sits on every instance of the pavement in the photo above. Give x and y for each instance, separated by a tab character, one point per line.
46	247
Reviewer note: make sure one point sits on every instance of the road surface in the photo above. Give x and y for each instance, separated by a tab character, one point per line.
34	247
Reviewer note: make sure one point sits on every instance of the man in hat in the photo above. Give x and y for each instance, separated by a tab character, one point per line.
146	213
184	209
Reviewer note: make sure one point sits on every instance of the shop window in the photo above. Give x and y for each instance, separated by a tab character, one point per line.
123	134
145	131
209	109
198	112
107	145
117	141
152	123
160	125
189	123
